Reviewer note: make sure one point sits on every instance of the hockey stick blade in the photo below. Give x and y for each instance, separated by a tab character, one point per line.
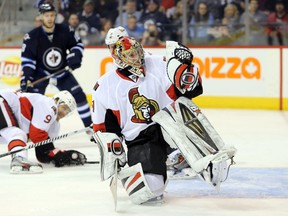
34	145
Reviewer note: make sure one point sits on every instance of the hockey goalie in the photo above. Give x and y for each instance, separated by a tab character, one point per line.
146	104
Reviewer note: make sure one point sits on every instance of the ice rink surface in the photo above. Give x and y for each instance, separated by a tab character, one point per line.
257	185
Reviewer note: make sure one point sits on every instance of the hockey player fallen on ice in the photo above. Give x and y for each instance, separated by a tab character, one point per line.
177	167
33	116
124	102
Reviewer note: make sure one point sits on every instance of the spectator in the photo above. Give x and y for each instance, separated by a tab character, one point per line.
200	23
254	20
231	18
37	21
229	23
134	29
73	22
83	31
215	7
268	6
151	36
168	4
106	25
130	10
277	23
72	6
89	24
89	17
177	19
152	13
256	17
107	9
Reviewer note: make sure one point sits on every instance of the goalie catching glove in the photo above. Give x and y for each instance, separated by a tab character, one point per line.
71	157
180	70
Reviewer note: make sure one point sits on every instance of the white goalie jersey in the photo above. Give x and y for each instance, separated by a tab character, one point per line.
133	110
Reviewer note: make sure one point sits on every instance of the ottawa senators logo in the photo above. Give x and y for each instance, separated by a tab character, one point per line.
143	107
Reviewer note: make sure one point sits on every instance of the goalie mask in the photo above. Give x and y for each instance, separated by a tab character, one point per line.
66	98
128	54
180	70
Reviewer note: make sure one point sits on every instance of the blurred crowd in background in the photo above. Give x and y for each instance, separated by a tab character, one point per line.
197	22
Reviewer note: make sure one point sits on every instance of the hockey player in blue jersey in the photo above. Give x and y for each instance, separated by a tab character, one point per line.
51	48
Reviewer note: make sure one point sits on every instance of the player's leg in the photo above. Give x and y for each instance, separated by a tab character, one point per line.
16	139
142	188
149	149
70	84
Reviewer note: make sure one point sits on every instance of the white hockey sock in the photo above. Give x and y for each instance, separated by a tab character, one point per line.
23	153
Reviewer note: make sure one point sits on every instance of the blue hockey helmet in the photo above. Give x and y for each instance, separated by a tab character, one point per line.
46	7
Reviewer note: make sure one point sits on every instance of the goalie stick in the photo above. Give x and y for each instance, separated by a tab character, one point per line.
47	77
33	145
113	184
92	162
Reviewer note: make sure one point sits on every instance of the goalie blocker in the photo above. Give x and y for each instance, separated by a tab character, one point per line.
186	128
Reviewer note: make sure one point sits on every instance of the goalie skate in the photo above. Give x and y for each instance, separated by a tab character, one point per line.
217	170
184	174
177	162
178	168
20	165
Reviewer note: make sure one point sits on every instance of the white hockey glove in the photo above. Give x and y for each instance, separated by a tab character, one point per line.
182	73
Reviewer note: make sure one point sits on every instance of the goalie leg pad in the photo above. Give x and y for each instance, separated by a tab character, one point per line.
141	188
184	126
111	149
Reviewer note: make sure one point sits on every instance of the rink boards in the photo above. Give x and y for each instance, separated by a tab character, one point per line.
233	77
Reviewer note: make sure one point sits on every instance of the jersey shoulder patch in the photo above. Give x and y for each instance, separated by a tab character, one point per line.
26	37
